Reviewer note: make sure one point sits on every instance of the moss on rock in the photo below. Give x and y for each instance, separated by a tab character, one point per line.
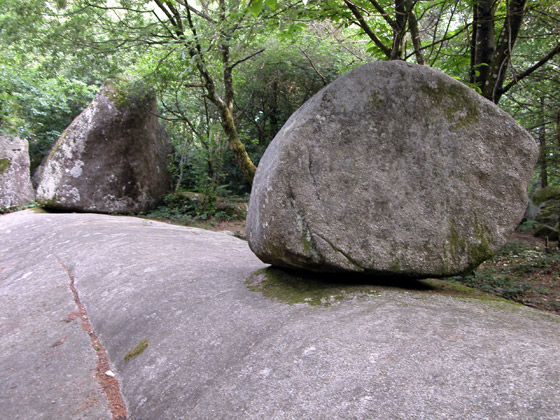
460	108
292	287
139	349
4	165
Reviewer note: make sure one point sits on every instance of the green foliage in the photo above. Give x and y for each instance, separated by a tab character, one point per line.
31	205
186	208
39	108
545	194
528	225
128	91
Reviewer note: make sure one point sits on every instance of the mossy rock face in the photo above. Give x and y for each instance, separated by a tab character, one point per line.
392	169
547	193
15	182
549	212
113	158
4	165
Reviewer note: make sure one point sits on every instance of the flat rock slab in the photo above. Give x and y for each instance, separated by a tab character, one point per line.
218	349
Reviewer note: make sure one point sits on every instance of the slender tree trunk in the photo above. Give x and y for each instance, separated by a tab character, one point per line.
558	163
414	32
493	85
236	145
543	162
399	31
482	41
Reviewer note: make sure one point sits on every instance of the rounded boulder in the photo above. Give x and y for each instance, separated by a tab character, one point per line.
392	169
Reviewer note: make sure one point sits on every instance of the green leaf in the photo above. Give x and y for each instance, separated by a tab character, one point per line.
271	4
255	7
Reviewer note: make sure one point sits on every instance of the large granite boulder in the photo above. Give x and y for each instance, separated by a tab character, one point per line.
15	181
392	169
112	158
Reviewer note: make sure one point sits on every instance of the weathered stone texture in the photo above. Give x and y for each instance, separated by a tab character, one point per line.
112	158
15	181
392	169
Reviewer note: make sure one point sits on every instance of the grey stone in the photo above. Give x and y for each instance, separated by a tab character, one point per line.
394	169
112	158
217	350
15	181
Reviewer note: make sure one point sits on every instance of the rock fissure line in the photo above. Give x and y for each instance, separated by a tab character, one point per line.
109	384
344	254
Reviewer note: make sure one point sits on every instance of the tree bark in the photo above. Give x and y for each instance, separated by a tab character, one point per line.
482	42
399	31
414	32
224	105
236	145
558	139
543	162
492	88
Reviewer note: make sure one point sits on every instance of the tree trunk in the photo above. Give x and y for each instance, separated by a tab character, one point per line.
414	32
542	145
493	85
236	145
482	42
558	163
399	31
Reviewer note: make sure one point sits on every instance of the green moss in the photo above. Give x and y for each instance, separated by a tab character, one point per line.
480	252
306	244
476	252
139	349
545	194
291	288
456	249
4	165
38	210
458	245
376	102
460	109
326	289
448	288
57	145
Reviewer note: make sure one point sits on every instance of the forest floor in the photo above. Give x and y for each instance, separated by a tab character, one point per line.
525	271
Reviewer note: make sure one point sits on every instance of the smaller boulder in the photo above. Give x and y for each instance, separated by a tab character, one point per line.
15	181
112	158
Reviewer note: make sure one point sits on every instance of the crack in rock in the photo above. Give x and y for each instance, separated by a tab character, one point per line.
109	384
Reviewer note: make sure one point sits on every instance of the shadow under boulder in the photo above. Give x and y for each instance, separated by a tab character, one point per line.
112	158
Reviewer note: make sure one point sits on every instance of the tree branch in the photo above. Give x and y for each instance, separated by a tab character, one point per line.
197	12
246	58
384	15
531	69
323	78
363	24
